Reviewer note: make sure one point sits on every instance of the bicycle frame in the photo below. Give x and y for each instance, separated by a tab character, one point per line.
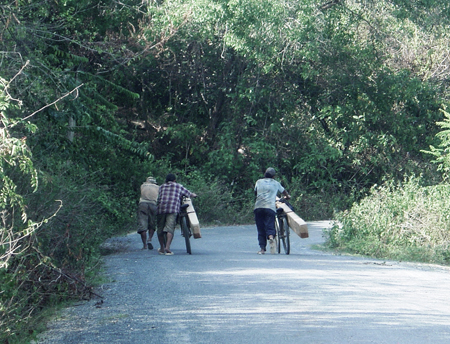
185	226
282	228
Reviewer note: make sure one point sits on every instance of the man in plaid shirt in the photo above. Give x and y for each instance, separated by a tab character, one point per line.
169	201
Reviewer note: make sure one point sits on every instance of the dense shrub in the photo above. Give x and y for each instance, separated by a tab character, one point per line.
406	222
56	261
217	204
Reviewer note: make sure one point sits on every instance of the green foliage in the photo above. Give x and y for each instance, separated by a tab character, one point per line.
360	115
17	177
441	152
405	222
15	163
337	96
18	180
60	255
317	206
216	204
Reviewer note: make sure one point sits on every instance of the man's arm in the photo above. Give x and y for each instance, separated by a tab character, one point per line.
187	193
286	194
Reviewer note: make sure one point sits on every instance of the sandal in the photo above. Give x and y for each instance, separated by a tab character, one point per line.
160	251
169	253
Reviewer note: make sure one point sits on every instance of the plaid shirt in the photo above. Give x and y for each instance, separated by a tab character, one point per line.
169	197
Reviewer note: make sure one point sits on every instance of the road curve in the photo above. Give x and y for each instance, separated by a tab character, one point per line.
225	293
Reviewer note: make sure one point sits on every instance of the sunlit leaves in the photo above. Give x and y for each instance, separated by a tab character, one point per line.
442	151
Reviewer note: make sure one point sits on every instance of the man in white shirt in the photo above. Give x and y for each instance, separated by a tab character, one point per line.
266	190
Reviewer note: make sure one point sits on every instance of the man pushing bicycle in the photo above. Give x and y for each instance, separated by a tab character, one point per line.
168	203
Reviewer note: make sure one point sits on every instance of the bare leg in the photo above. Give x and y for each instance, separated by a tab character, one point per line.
161	241
150	234
169	241
144	239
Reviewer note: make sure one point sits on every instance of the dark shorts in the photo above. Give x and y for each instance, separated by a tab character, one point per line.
167	223
146	216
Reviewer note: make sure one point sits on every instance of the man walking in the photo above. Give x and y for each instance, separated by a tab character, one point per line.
266	190
169	201
147	211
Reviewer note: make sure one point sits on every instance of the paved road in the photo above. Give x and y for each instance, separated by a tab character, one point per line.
225	293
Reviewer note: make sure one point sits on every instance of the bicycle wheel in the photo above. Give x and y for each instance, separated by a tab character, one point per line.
185	233
284	235
277	228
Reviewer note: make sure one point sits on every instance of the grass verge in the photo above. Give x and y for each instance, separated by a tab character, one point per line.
400	222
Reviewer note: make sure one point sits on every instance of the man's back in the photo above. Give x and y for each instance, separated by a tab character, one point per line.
149	192
267	189
169	197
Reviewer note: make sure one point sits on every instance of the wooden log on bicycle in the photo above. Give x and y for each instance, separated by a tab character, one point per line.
193	219
296	223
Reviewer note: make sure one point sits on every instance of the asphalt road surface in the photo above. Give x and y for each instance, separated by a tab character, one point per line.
225	293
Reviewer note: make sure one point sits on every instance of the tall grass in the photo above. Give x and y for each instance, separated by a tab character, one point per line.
406	221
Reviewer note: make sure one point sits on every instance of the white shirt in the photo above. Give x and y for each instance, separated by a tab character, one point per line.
266	193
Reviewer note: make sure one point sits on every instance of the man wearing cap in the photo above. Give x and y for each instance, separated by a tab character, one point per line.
147	211
266	190
169	202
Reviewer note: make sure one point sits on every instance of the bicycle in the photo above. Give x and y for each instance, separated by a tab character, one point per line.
282	228
185	226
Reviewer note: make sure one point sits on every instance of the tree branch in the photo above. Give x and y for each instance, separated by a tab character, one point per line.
57	100
329	4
